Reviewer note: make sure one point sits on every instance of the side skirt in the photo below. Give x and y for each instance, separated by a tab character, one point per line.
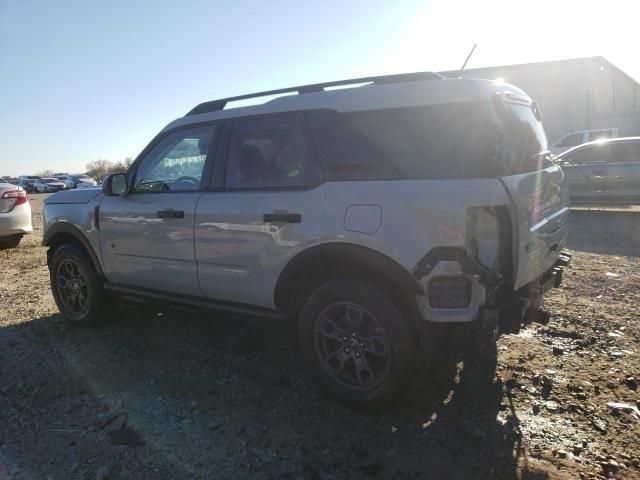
194	301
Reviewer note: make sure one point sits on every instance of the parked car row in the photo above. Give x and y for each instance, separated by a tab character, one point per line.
37	184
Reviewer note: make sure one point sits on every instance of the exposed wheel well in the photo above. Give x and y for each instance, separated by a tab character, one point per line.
318	264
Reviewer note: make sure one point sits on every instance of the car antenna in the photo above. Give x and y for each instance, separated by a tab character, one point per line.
467	60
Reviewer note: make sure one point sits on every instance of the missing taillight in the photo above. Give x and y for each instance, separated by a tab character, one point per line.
20	195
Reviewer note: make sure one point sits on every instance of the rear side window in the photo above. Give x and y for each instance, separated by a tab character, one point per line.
600	135
625	152
588	155
461	140
269	152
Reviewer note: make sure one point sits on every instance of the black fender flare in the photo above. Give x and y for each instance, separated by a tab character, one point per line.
64	231
323	255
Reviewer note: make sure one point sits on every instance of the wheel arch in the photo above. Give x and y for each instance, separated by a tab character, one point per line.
308	268
65	233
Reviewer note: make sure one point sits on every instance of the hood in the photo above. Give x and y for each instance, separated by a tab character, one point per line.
74	196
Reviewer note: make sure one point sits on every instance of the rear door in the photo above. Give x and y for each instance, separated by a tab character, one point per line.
146	236
623	171
267	208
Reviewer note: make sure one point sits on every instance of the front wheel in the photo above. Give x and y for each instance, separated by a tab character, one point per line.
76	287
357	344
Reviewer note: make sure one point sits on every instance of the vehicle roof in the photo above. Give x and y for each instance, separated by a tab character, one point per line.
366	97
607	141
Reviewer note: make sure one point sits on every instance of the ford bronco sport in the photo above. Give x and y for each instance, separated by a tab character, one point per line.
367	215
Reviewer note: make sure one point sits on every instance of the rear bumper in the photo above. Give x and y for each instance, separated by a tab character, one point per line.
16	222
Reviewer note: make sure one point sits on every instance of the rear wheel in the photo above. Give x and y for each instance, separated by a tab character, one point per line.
10	242
357	344
76	286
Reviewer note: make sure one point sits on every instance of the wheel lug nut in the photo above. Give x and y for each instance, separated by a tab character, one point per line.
362	344
346	350
358	354
344	338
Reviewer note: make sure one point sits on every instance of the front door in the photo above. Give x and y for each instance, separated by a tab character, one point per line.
146	235
268	209
586	169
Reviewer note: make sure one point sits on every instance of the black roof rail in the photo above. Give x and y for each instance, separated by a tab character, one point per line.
216	105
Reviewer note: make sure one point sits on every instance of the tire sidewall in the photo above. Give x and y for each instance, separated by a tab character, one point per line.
94	287
403	352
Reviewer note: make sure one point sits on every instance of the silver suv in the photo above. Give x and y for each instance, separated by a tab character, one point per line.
367	215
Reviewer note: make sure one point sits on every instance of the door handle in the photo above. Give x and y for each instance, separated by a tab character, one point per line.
282	217
599	172
170	213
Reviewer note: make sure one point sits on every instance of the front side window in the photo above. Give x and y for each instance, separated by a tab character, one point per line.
176	163
587	155
268	152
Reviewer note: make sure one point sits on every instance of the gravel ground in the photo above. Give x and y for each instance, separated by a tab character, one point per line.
172	394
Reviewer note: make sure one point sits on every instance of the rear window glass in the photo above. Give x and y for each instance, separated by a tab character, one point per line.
625	152
467	140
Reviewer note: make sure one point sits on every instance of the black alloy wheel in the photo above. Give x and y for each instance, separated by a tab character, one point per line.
352	345
72	287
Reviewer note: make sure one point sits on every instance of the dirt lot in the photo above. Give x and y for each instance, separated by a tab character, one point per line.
171	395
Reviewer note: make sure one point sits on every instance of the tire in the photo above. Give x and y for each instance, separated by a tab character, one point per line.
77	288
357	344
10	242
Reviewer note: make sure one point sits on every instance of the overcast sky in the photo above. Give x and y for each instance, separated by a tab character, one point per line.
87	80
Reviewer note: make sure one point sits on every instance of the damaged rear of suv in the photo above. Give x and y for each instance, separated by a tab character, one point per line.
365	215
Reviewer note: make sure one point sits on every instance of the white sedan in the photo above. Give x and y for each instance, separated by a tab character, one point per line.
15	215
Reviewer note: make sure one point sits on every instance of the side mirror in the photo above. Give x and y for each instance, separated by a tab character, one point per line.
115	184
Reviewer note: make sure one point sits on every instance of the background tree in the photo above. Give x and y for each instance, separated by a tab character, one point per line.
98	169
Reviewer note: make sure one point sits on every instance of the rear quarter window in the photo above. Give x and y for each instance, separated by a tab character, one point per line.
461	140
